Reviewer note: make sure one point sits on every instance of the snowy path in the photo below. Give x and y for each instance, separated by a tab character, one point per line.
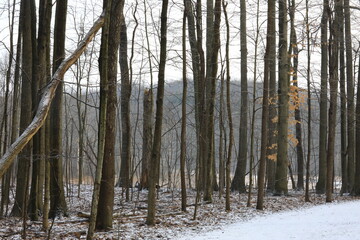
331	222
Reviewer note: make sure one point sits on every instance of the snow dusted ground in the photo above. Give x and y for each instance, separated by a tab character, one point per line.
171	223
333	221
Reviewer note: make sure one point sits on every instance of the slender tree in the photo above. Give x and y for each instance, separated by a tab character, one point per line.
183	118
265	106
156	148
350	98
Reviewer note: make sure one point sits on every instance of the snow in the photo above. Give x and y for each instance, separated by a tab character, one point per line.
333	221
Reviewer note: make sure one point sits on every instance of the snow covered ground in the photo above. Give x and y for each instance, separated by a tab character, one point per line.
330	221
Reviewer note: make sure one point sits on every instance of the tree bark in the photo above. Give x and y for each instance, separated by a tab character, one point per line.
156	148
320	185
282	144
238	183
104	219
333	82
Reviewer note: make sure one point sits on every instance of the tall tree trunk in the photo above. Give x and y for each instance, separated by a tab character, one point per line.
356	191
294	53
183	119
156	148
24	157
308	71
282	145
57	196
350	99
102	125
333	82
265	105
228	108
43	46
238	183
343	132
210	103
5	184
272	125
125	113
320	185
104	217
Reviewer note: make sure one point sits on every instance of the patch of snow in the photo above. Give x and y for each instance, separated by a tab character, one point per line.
330	221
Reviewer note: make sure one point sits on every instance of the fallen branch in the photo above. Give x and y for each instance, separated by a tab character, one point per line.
46	99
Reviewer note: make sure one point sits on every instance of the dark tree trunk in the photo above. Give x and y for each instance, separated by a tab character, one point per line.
57	196
156	148
282	144
333	82
320	185
104	217
24	157
238	183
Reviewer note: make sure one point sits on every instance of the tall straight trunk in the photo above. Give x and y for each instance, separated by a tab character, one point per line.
333	82
183	119
350	98
356	191
125	113
343	111
294	52
308	72
265	105
320	185
198	66
210	103
272	125
282	143
102	126
24	157
228	108
156	148
57	196
43	46
238	183
104	217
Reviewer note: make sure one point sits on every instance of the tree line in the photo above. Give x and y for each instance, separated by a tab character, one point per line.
37	136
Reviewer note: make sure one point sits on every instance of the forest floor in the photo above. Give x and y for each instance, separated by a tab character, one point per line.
129	217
